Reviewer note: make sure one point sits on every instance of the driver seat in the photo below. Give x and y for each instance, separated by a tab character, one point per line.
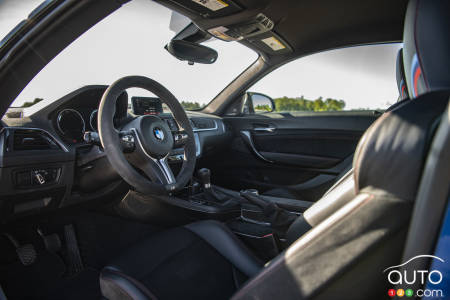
204	260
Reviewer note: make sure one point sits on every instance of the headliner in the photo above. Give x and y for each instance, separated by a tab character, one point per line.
310	26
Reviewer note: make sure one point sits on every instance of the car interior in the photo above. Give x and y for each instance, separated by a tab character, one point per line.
106	195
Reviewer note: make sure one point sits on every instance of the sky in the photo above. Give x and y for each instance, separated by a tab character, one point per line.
131	41
364	77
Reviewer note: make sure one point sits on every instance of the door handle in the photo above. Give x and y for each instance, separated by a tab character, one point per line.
264	129
247	137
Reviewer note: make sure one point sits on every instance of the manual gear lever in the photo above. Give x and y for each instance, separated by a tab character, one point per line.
204	175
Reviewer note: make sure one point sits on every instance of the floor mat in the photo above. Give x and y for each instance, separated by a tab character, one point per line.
100	239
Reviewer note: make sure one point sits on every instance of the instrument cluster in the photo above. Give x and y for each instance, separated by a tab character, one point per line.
79	114
72	125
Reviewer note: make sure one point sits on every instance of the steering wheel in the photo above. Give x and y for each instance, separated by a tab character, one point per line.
145	142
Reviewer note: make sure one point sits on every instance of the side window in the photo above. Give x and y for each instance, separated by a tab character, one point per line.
356	78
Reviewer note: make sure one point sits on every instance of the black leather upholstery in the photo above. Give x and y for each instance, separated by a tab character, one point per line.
118	285
427	46
202	260
401	79
391	135
363	237
369	232
290	193
226	243
326	205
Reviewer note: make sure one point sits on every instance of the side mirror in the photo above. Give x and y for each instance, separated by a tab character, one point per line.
191	52
258	103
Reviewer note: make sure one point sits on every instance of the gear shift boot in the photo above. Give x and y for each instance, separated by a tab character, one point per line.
204	175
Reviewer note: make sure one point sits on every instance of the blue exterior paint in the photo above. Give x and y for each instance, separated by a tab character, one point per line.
443	251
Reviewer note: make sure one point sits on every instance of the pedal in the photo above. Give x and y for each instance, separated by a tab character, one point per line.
52	242
26	253
75	264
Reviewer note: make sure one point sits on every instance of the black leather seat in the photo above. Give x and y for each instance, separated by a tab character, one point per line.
205	261
400	76
291	193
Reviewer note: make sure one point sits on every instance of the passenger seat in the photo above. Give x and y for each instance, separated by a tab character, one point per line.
291	192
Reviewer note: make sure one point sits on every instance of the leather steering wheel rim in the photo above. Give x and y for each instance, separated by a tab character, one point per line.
111	140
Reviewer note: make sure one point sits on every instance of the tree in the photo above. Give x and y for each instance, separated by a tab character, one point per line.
302	104
28	104
191	105
263	108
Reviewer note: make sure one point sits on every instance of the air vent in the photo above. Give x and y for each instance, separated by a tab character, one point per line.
203	124
32	139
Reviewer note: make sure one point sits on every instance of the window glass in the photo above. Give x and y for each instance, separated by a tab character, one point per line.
131	42
356	78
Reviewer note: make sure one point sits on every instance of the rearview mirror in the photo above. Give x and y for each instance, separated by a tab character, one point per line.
191	52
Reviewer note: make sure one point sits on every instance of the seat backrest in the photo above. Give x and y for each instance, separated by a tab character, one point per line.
401	79
426	46
353	246
343	190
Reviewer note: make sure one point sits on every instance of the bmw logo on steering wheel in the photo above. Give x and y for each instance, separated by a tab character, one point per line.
159	134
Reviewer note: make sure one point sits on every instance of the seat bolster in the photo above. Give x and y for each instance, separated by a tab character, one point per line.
228	245
116	285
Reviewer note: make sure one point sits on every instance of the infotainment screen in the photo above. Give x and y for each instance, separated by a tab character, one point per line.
146	105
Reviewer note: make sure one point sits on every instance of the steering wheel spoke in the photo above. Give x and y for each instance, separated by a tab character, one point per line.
158	170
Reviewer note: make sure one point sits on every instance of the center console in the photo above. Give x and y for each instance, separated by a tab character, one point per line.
261	222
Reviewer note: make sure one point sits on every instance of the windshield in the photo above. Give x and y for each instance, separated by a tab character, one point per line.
131	42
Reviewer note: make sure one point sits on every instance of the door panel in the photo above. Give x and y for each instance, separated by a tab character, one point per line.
302	153
306	147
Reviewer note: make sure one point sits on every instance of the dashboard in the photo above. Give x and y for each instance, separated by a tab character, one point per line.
78	114
45	163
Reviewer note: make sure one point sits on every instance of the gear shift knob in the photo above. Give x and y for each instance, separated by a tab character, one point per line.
204	175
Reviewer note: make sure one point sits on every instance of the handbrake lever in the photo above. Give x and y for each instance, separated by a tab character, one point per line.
253	197
279	218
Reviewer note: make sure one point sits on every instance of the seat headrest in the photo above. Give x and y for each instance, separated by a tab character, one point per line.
391	153
426	46
401	80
